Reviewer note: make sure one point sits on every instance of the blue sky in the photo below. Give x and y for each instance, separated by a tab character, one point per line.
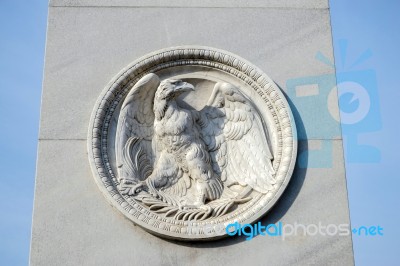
23	33
373	186
366	37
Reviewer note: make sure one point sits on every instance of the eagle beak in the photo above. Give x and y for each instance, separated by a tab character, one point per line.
182	87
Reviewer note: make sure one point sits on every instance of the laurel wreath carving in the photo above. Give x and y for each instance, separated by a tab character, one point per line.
162	205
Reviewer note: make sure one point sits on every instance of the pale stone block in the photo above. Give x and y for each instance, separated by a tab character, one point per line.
197	3
86	47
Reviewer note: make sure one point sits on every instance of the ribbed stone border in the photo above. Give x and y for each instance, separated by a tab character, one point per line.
220	60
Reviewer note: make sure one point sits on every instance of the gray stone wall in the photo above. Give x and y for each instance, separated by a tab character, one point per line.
89	41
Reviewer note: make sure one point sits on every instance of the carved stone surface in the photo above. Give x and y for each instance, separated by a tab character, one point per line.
89	42
192	137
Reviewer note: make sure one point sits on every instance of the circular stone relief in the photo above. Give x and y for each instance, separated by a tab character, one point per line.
187	140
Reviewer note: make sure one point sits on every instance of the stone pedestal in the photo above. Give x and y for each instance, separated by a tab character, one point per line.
89	41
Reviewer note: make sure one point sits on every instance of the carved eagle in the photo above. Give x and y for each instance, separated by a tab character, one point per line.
166	149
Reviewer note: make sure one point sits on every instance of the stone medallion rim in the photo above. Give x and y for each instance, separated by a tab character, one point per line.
224	61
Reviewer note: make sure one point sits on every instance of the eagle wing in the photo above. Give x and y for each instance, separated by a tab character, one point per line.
134	151
236	139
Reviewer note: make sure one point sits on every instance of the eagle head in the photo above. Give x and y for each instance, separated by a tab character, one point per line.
168	90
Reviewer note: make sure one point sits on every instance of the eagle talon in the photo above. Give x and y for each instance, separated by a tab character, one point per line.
133	189
206	208
139	187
